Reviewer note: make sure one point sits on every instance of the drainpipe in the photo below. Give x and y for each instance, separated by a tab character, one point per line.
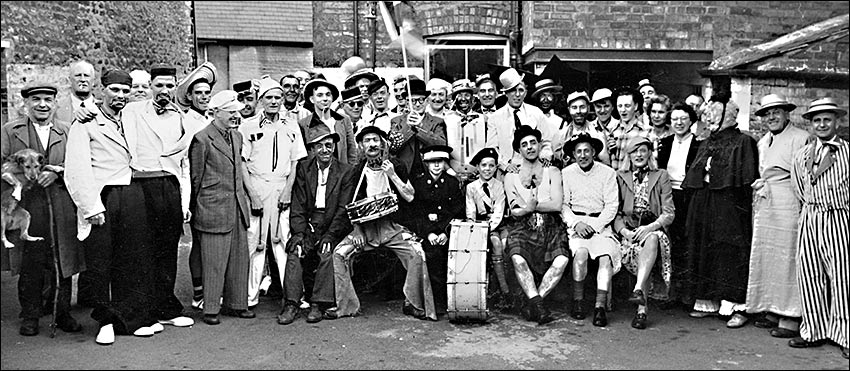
194	37
356	29
515	35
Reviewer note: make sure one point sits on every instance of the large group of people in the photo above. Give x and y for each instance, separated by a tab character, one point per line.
293	178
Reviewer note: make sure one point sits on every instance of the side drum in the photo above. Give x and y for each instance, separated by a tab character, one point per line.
467	271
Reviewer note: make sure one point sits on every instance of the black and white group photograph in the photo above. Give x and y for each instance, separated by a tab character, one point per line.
431	185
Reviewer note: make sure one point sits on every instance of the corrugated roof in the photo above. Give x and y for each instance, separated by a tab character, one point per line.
830	28
281	21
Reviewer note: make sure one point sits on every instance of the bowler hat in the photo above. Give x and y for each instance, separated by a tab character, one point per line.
417	87
523	132
370	130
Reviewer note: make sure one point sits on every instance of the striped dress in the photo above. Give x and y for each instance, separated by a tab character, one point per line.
823	271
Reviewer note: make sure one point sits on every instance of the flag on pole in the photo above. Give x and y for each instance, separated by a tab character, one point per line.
398	17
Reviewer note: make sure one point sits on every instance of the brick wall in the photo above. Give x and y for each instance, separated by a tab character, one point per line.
722	26
826	56
799	93
333	29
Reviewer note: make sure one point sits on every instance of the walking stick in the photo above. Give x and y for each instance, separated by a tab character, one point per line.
54	248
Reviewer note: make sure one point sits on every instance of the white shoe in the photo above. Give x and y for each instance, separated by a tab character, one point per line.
106	335
144	332
304	304
181	321
157	328
264	284
198	304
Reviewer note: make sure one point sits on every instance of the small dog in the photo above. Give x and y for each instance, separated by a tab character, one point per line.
20	172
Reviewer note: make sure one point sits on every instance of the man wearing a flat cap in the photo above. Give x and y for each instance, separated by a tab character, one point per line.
272	145
772	287
220	210
40	132
100	181
323	186
506	120
466	130
820	175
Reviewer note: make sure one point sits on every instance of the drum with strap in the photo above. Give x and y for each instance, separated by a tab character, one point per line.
467	271
372	207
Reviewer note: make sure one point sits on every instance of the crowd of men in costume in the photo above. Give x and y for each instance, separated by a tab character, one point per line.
702	214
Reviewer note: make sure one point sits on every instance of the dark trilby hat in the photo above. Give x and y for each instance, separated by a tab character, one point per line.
317	133
484	153
371	130
376	85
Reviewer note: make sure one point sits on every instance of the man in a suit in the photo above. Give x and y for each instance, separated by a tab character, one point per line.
112	217
413	131
320	94
323	186
47	199
220	210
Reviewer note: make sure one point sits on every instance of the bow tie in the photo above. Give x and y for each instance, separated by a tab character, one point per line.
160	110
466	119
488	110
833	145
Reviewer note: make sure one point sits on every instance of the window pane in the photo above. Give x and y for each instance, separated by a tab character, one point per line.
479	58
447	64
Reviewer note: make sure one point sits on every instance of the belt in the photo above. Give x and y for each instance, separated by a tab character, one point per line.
151	174
579	213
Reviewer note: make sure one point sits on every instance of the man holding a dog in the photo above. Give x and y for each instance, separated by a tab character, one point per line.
40	132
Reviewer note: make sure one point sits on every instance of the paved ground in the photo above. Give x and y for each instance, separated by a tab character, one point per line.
383	338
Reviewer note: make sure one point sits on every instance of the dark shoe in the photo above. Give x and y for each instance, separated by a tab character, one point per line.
68	324
244	313
637	298
639	322
544	316
578	311
784	333
29	327
211	319
599	318
330	313
315	314
764	323
288	315
529	312
409	310
798	342
845	352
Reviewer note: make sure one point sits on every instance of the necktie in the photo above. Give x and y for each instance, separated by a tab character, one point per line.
372	121
826	150
517	122
226	136
487	200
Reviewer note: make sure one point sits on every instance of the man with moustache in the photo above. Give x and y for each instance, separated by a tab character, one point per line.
416	130
81	76
629	105
378	93
577	104
439	89
320	94
247	94
486	95
49	204
272	145
466	130
112	217
292	110
219	208
506	120
141	88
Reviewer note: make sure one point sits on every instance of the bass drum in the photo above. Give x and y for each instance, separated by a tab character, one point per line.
467	271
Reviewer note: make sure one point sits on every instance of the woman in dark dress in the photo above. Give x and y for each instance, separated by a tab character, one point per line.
719	221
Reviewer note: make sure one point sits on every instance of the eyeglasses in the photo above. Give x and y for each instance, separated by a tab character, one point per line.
417	100
290	86
357	103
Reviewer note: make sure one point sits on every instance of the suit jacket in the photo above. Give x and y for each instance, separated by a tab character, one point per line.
217	185
665	146
338	192
346	148
660	199
17	135
441	198
431	131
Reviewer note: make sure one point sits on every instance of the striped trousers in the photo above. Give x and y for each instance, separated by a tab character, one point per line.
823	273
225	260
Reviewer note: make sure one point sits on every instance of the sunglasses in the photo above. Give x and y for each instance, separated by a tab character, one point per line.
357	103
417	100
290	86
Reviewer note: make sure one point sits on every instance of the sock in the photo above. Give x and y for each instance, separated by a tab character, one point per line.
535	300
197	282
601	298
198	292
578	290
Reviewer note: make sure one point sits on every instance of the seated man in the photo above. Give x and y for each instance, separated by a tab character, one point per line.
485	201
318	221
591	199
379	174
537	244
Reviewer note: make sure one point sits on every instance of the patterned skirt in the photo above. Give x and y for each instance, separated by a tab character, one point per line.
659	278
538	238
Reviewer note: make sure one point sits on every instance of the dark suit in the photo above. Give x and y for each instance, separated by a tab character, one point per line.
431	131
37	256
219	207
312	227
346	148
436	203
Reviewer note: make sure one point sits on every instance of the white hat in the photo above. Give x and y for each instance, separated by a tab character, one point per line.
577	95
824	105
510	79
226	100
643	83
601	94
438	84
462	85
266	84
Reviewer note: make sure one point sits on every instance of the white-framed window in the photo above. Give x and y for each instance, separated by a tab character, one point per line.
458	56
